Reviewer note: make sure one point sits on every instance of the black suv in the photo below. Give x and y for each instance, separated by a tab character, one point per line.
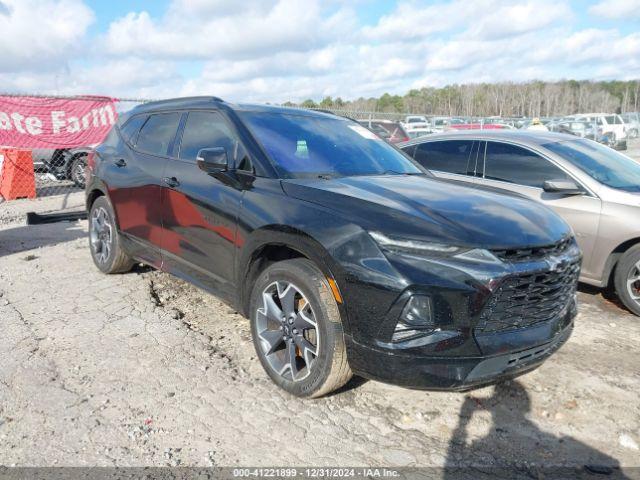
345	254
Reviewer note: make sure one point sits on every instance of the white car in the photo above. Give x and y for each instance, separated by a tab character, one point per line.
609	125
632	119
415	122
415	119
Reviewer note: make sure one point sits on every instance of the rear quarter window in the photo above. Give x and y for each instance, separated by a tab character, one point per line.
130	129
451	156
158	133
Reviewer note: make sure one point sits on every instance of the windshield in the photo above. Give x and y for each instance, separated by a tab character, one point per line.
306	146
604	164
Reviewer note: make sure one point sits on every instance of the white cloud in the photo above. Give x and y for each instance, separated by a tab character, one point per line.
616	9
481	18
248	30
278	50
41	33
507	20
410	20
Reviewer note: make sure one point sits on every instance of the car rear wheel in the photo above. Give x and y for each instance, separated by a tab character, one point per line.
104	240
297	331
627	279
76	171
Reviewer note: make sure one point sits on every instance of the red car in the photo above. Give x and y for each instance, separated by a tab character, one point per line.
388	130
478	126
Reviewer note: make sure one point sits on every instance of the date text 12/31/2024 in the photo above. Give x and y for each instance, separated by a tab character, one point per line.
320	472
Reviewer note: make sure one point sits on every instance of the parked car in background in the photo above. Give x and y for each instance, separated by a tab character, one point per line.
419	132
412	122
63	164
479	126
580	129
439	124
632	119
391	131
593	187
345	255
611	127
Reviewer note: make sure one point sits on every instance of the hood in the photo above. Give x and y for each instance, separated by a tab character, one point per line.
421	207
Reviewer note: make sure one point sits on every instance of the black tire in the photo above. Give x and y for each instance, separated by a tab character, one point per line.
76	170
107	253
628	267
329	370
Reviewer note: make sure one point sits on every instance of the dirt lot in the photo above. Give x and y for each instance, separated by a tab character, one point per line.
143	369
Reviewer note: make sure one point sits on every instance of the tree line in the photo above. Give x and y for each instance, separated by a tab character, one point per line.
530	99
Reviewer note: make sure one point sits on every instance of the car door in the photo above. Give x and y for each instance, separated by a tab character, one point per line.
519	169
135	182
452	159
199	210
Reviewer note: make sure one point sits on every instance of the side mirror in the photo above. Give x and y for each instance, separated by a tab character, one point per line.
213	160
563	187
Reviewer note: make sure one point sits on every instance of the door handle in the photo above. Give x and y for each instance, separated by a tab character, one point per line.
171	181
120	162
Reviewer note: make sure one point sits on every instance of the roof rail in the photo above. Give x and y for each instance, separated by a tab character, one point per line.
184	100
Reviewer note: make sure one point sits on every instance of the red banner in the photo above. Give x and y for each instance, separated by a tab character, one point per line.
34	122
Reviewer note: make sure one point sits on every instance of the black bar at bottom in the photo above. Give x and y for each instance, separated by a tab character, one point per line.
34	218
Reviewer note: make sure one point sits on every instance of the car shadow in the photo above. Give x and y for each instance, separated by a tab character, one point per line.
46	189
608	295
30	237
515	447
354	383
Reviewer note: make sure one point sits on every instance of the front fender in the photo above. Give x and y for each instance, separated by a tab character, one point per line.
290	238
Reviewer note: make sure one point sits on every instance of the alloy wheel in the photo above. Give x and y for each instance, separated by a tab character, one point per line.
287	330
633	282
101	234
78	172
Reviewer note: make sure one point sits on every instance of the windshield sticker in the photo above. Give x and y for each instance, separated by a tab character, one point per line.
301	149
364	132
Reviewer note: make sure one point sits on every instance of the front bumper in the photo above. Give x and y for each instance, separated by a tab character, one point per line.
458	373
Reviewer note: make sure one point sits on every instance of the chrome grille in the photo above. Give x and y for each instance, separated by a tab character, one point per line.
527	299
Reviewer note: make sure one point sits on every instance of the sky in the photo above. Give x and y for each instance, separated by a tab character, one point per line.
286	50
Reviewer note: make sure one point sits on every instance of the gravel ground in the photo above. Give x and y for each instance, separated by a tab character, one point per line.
142	369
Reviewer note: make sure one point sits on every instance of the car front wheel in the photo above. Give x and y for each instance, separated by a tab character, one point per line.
297	331
627	279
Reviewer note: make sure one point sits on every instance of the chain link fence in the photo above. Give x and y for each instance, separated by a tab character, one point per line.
45	141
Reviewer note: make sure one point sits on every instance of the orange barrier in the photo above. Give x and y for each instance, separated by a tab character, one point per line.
17	178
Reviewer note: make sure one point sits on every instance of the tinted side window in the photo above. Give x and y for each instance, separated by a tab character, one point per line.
158	133
130	129
513	164
205	130
448	156
410	150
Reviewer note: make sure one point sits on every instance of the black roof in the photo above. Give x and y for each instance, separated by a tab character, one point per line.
211	101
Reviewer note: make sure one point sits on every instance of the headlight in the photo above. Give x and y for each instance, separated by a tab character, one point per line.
413	246
419	247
